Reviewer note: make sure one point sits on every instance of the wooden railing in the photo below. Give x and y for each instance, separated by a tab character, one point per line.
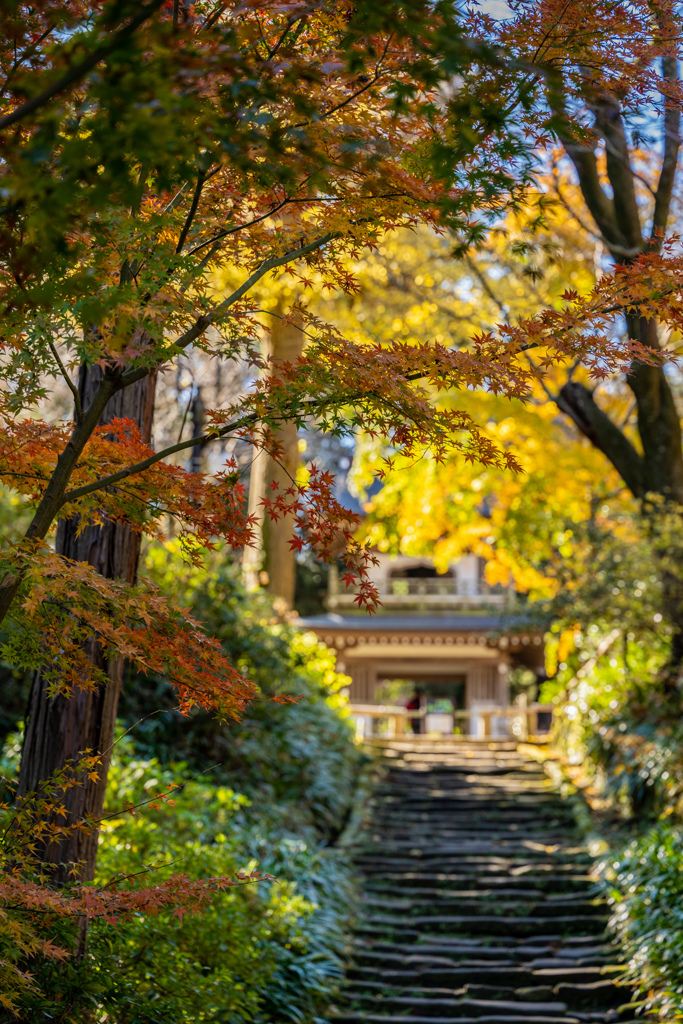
397	718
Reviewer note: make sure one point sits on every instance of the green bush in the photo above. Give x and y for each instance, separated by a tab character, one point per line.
296	762
271	792
646	887
266	951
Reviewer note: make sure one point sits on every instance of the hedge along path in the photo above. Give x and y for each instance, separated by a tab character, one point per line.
478	903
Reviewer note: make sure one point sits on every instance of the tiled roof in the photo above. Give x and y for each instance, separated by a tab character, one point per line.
422	623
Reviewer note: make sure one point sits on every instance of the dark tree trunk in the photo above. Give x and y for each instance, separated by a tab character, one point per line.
659	425
59	729
659	470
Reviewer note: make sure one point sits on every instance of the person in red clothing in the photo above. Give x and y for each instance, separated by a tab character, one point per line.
415	704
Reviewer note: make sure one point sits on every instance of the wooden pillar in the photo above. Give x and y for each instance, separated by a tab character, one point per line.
483	685
363	681
271	560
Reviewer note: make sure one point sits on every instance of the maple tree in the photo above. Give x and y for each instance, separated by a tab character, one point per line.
144	148
620	130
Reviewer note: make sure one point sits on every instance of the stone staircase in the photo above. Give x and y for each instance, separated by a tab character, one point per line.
478	904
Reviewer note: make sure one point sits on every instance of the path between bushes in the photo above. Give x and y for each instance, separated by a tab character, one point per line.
477	902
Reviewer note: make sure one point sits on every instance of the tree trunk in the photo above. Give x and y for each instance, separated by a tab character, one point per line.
59	729
659	470
659	425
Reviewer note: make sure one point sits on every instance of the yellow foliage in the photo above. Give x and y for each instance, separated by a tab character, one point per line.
412	289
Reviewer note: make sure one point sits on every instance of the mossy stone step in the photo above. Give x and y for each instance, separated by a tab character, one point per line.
429	884
492	924
509	976
438	1006
379	1018
475	904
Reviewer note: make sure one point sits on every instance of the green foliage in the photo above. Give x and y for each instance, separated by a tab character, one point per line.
646	886
611	575
263	952
296	761
608	649
272	791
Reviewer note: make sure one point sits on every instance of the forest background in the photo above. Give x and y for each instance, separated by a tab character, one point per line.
469	222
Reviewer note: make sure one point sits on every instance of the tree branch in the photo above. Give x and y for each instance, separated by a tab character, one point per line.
205	321
599	204
610	124
72	387
313	406
577	402
79	70
672	143
601	207
52	499
140	467
201	178
239	227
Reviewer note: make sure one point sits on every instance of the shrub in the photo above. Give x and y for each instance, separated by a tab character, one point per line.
645	884
272	791
267	951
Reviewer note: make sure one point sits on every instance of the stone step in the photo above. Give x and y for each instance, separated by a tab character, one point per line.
430	975
492	924
542	955
526	857
379	1018
440	1006
474	903
466	861
430	884
589	983
503	892
598	995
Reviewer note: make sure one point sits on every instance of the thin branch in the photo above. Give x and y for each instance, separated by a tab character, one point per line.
203	322
672	142
553	398
230	428
213	17
239	227
75	73
629	412
187	409
140	467
72	387
273	264
204	262
574	367
25	56
290	25
201	179
481	277
339	106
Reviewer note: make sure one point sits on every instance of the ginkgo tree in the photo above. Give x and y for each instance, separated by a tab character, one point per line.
144	147
412	287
